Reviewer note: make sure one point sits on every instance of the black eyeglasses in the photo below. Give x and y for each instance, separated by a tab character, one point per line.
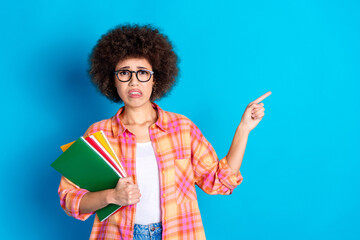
142	75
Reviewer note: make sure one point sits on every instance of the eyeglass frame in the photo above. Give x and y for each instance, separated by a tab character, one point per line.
136	74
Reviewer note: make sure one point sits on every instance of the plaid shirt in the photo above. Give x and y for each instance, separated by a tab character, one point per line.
184	157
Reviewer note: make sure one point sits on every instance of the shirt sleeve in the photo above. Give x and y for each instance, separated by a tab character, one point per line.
71	195
211	175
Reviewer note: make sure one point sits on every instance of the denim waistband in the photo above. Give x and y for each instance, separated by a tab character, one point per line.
152	228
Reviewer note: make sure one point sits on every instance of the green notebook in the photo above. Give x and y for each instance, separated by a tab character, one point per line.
86	168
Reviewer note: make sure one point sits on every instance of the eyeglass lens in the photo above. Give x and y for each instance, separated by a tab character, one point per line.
142	75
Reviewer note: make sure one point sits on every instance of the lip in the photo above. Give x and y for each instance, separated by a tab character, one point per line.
135	90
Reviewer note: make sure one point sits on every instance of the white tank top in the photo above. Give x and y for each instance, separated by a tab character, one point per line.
147	174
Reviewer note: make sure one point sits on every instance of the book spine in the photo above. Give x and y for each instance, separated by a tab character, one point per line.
104	152
117	159
82	138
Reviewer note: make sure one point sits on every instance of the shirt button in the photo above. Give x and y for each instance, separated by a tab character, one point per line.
164	195
153	228
163	171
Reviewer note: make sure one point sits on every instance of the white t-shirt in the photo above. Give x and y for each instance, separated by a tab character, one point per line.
147	174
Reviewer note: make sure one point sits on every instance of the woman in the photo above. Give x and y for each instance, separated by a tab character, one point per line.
163	153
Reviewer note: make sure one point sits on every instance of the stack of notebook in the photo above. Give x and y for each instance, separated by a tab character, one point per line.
91	164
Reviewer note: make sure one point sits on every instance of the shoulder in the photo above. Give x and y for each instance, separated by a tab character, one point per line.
177	119
104	125
180	124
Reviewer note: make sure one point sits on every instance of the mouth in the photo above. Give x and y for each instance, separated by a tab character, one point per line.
135	93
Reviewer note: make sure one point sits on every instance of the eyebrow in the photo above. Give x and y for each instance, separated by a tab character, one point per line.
127	67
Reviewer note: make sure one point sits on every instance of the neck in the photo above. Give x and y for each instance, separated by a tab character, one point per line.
138	115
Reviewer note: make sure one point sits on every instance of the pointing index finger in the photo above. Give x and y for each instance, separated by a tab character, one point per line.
262	97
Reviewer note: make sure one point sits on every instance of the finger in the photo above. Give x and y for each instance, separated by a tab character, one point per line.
132	197
132	201
132	187
257	110
262	97
137	195
128	188
257	104
252	107
135	201
255	107
126	180
259	116
135	190
134	194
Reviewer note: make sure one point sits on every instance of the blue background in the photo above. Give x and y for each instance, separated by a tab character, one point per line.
301	164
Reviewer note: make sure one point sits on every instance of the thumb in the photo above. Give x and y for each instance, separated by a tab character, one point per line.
126	180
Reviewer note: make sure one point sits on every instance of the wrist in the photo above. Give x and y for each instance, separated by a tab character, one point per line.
242	129
109	196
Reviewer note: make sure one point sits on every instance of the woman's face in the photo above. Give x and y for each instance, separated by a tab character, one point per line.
134	93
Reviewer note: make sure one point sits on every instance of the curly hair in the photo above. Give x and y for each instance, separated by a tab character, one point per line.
126	41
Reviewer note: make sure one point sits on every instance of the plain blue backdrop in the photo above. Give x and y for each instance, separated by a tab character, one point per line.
301	165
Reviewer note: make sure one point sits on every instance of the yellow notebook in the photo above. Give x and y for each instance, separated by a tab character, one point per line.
109	151
100	136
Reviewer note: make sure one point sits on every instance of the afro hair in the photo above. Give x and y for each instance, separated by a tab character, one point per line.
127	41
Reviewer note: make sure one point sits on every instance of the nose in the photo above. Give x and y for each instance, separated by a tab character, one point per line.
133	81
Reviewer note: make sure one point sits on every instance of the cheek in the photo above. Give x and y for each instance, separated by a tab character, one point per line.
150	87
120	89
147	88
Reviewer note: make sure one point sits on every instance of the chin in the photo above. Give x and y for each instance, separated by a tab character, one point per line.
136	102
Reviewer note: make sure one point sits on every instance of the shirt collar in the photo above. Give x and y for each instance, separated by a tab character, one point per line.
119	128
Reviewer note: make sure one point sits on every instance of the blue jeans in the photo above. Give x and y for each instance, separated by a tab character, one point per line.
152	231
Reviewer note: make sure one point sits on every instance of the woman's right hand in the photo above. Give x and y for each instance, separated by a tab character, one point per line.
125	192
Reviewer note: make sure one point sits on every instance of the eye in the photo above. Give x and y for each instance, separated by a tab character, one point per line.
143	72
124	73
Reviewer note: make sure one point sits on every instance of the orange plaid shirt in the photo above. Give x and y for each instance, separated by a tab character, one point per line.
184	157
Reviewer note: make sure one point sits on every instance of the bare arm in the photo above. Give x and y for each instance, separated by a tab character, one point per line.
253	114
237	149
125	193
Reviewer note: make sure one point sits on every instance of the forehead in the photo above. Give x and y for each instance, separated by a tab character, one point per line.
134	63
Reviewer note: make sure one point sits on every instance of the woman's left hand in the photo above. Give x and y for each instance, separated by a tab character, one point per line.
253	114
